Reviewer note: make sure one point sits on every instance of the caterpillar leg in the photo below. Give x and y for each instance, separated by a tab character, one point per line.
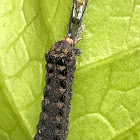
77	51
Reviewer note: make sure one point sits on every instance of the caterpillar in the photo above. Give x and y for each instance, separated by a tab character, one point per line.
60	67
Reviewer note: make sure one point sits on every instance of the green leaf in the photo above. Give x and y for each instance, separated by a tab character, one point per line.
106	92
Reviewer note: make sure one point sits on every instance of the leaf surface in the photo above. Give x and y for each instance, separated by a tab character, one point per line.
106	91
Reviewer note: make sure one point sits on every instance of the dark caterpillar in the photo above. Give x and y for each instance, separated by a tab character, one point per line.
61	65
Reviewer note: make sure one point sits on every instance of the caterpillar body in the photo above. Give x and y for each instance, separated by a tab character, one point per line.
61	64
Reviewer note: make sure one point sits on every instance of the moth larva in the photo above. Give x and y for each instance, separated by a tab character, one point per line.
61	64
